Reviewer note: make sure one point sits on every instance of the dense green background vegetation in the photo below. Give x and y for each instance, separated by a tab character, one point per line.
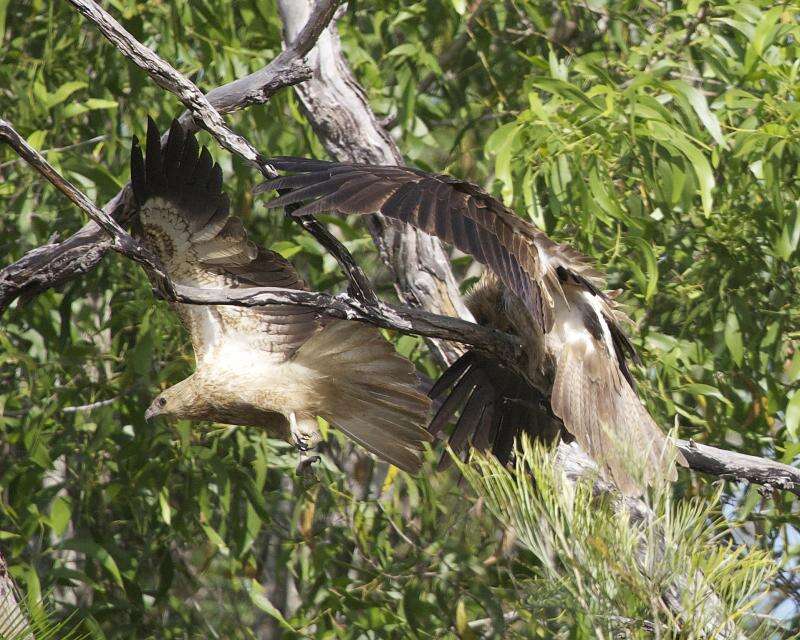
661	138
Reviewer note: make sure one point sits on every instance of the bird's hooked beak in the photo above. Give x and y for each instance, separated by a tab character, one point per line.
155	408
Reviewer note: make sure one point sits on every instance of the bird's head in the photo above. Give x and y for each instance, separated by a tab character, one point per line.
179	401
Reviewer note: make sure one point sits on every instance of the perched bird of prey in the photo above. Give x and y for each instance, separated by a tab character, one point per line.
277	366
546	293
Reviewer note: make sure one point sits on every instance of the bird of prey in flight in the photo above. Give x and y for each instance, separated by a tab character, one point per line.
278	366
546	293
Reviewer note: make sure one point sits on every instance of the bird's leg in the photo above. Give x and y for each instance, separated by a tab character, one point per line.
303	439
299	439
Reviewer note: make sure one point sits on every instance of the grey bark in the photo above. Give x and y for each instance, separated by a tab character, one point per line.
13	621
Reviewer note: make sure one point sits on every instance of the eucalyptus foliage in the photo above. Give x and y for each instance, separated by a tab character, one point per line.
661	138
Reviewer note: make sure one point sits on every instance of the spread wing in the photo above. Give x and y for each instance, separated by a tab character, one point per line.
361	385
458	212
558	287
184	217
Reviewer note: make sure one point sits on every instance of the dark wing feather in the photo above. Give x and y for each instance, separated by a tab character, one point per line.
489	406
184	217
453	210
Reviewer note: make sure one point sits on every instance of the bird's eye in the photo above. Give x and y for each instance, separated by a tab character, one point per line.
162	402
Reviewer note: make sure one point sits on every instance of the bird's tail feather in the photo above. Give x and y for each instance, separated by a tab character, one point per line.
369	392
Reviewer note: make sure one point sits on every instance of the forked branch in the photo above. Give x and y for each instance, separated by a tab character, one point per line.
57	263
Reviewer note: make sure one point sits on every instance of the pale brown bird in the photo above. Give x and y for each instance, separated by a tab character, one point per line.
278	366
547	293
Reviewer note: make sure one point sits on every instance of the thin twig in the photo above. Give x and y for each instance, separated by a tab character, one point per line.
69	147
91	406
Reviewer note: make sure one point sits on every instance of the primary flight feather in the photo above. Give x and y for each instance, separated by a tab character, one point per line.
277	366
547	293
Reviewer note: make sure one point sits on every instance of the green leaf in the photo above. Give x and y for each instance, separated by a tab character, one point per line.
97	553
792	419
700	389
501	143
793	369
36	139
216	539
462	622
166	511
651	265
3	10
98	103
669	136
259	598
700	105
733	337
63	92
406	49
60	513
565	90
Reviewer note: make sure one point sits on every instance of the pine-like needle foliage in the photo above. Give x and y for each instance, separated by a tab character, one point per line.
604	568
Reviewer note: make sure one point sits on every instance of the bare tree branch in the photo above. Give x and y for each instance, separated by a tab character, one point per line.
57	263
410	320
732	465
167	77
121	240
714	461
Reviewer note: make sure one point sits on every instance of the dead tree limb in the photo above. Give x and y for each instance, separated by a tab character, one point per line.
55	264
731	465
408	320
120	240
